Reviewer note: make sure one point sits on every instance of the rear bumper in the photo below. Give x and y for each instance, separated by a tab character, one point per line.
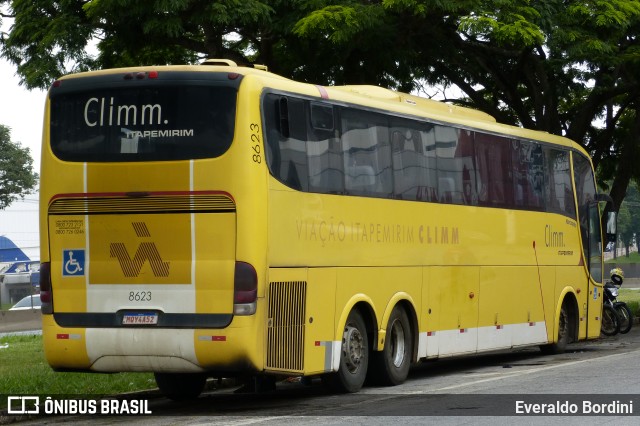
237	348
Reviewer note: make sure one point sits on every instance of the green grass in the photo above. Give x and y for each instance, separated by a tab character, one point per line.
634	257
631	298
24	371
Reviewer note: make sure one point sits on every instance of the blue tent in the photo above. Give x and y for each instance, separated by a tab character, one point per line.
9	252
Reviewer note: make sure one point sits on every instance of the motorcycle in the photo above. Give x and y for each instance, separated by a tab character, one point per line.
621	310
610	324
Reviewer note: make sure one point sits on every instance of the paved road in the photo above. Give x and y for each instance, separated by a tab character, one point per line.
473	390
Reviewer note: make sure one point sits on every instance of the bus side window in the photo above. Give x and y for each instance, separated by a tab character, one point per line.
410	162
558	188
585	194
495	180
273	133
456	165
405	170
465	157
367	153
324	151
528	175
286	142
293	155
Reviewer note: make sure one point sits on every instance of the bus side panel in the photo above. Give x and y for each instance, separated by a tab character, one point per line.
320	345
376	284
594	306
452	306
573	277
506	320
550	299
298	314
238	348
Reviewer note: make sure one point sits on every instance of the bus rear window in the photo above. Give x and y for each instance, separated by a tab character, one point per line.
152	123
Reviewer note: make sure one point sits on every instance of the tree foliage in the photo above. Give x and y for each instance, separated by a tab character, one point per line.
17	177
565	67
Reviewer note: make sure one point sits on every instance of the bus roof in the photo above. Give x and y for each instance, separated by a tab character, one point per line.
365	95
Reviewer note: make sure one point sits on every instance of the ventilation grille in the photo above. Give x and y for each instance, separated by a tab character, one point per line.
285	326
192	203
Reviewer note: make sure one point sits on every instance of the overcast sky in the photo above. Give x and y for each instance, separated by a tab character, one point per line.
22	111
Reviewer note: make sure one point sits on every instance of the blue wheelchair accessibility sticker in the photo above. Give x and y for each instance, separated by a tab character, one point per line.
73	263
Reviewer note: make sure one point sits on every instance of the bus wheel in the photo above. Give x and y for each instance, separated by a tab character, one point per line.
564	333
391	366
180	386
354	356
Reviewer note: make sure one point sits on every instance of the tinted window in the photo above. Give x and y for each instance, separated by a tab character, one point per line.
586	195
324	151
287	138
495	180
320	147
528	175
367	153
142	123
456	165
415	171
558	188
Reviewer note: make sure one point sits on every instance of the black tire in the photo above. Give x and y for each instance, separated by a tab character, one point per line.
610	325
390	366
625	316
180	386
354	356
564	334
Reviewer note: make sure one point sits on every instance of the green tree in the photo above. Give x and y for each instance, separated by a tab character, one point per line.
17	177
50	38
566	67
625	228
629	218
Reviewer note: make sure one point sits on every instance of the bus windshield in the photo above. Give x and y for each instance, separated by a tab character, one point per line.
142	123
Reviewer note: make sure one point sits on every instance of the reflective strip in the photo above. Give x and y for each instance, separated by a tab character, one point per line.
213	338
331	354
65	336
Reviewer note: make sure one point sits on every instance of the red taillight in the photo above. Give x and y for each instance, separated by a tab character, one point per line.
245	289
245	286
46	292
153	74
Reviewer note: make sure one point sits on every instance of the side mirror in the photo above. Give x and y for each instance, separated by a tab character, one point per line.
612	224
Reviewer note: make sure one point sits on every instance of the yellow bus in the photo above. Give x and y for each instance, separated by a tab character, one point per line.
217	220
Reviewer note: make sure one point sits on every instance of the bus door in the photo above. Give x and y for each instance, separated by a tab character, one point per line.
594	260
591	236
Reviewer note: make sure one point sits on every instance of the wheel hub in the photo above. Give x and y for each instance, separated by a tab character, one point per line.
397	343
352	348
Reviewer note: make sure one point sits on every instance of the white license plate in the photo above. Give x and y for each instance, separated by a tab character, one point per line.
140	318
